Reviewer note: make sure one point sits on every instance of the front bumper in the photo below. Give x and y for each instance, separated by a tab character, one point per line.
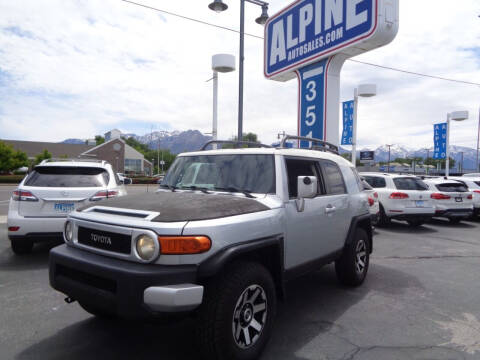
129	290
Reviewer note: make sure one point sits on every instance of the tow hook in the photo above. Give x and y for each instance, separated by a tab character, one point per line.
69	300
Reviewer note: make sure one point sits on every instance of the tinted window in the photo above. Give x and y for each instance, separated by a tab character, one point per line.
296	168
67	176
477	182
409	183
452	187
333	178
375	181
255	173
366	186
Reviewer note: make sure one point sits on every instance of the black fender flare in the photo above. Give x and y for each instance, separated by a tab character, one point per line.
214	263
363	221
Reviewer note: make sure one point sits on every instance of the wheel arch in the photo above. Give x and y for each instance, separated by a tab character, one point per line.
364	222
267	251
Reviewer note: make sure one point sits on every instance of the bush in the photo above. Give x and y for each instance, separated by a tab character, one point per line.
144	180
11	179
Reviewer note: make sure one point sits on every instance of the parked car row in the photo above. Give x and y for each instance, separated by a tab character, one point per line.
416	200
42	201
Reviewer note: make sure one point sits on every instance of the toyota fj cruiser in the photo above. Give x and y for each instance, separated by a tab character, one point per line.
219	240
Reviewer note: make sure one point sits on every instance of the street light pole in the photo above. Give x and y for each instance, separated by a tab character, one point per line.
456	116
240	70
389	146
364	90
218	6
478	142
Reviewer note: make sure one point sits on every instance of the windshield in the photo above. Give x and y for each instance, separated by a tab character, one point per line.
251	173
410	183
67	176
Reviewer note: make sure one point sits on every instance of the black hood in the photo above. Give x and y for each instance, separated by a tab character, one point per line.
184	206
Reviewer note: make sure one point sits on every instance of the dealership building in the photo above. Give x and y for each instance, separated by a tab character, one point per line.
123	158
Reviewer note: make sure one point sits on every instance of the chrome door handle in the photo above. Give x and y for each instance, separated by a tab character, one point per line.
330	209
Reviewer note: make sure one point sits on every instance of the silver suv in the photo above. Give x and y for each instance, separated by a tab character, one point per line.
220	239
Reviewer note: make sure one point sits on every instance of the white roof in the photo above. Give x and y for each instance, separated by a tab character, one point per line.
387	175
274	151
75	163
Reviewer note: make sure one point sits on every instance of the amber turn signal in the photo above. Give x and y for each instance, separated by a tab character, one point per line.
181	245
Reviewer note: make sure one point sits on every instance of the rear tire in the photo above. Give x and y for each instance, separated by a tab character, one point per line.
352	267
21	246
237	314
415	223
383	219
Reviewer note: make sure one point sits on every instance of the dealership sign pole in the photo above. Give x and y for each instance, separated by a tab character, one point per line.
311	39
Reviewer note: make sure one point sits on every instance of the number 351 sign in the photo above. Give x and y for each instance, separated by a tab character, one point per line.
312	106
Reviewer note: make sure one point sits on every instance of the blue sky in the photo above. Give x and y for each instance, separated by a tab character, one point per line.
77	69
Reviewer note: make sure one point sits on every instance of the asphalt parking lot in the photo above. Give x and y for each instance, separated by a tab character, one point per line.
420	301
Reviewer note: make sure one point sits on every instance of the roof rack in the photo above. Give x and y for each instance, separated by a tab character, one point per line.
322	145
46	161
236	144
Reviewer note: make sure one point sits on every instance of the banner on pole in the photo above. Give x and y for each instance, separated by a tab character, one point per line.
347	133
440	141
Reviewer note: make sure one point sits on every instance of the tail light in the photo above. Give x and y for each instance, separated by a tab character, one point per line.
22	195
375	195
476	191
13	228
470	197
104	194
371	202
398	196
438	196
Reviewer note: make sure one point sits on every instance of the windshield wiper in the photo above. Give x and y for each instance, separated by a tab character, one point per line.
193	187
247	193
170	187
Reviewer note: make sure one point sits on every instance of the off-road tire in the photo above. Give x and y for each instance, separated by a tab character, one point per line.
216	318
21	246
415	223
383	219
95	311
347	266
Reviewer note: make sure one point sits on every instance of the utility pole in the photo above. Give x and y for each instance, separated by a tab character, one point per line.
460	166
389	146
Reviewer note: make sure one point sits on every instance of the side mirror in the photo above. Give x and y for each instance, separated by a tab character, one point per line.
127	181
306	188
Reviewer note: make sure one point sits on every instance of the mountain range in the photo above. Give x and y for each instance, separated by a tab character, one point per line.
191	140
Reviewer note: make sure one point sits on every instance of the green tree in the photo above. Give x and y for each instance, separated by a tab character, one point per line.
42	156
99	139
11	159
251	137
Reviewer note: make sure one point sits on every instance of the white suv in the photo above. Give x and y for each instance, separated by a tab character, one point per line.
39	206
402	197
473	185
452	199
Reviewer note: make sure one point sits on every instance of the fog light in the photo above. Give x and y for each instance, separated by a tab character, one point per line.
145	247
68	231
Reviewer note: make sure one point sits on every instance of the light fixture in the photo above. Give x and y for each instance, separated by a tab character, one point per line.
262	19
218	6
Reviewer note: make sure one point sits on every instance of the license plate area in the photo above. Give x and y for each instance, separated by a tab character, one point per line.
458	199
420	203
63	207
105	240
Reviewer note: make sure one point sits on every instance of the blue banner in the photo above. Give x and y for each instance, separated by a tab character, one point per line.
312	94
440	141
347	133
313	29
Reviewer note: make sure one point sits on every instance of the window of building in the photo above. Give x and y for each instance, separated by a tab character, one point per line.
133	165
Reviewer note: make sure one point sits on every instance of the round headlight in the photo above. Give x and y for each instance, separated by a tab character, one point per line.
68	231
145	247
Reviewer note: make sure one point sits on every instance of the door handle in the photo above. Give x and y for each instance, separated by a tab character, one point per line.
330	209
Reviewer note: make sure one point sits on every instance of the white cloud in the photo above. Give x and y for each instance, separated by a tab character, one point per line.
75	69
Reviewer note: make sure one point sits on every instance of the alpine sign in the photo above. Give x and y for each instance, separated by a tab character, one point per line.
347	133
309	35
440	141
